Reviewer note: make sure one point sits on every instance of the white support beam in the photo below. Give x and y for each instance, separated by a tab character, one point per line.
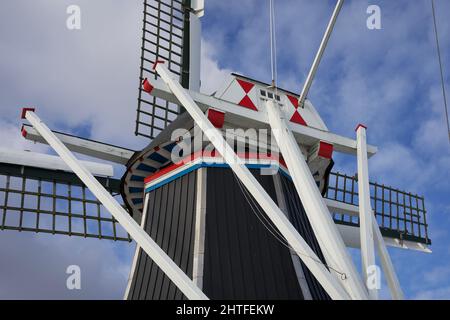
365	211
239	116
83	146
49	162
324	277
179	278
318	58
136	251
321	221
387	265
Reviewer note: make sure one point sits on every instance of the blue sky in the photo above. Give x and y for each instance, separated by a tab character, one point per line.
85	82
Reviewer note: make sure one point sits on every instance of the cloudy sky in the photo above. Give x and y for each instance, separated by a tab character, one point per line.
85	82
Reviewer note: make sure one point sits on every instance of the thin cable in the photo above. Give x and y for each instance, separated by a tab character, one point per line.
273	44
275	53
441	69
275	232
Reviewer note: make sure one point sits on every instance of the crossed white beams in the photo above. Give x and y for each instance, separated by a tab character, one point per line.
143	239
348	288
179	278
331	243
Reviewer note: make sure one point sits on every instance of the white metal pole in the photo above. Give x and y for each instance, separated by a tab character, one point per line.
318	58
179	278
321	221
386	263
310	259
365	211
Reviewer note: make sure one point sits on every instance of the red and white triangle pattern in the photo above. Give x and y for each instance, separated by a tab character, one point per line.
296	117
246	102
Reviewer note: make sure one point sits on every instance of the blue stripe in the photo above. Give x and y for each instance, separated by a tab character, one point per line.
174	177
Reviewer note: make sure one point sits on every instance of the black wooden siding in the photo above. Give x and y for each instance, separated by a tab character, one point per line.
171	223
298	218
242	259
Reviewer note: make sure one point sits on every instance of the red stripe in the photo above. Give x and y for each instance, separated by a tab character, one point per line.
214	154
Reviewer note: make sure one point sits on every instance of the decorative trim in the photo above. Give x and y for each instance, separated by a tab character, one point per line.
209	159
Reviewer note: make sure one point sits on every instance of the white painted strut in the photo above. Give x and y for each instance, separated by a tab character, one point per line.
309	258
365	212
386	263
179	278
318	58
329	238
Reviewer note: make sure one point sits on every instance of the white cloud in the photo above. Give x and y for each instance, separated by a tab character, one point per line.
212	76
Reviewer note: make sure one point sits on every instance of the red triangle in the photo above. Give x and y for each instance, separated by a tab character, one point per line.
297	118
247	86
293	100
248	103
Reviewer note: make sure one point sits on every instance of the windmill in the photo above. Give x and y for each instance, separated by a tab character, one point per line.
234	197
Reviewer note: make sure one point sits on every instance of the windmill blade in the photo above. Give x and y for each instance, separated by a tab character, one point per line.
401	215
48	201
171	31
88	147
